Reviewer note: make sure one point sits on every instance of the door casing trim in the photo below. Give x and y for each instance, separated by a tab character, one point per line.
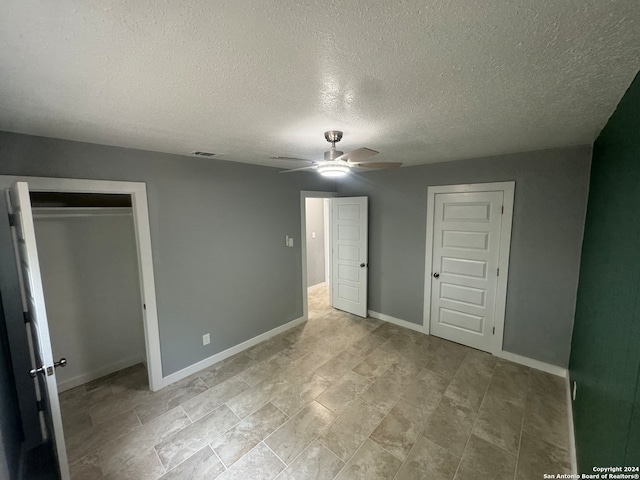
508	189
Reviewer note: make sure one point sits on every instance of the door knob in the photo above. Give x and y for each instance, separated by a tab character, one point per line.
61	363
436	275
35	371
362	265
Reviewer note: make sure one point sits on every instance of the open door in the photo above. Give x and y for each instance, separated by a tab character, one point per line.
33	300
349	254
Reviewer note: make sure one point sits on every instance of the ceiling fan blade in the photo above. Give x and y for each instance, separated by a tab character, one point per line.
357	156
293	159
312	167
380	165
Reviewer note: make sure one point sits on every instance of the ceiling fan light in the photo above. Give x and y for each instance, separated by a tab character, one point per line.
333	169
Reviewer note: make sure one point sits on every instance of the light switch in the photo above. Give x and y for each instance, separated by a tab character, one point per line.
291	241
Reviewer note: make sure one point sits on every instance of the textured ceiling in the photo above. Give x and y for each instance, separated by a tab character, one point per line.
420	81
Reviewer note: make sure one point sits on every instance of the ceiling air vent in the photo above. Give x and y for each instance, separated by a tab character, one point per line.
203	154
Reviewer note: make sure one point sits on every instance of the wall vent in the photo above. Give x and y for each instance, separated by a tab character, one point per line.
203	154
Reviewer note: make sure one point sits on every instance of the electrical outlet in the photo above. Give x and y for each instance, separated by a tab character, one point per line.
575	387
206	339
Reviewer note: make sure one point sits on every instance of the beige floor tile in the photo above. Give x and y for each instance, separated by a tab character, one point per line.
302	369
468	389
87	468
447	359
180	446
500	422
375	364
223	371
268	348
538	457
335	368
483	461
384	392
510	382
266	369
479	363
316	462
241	438
255	397
170	397
90	439
200	405
428	461
546	417
144	467
297	395
387	330
351	429
203	465
318	364
426	390
125	398
259	464
371	462
298	432
343	392
400	428
450	426
115	454
365	345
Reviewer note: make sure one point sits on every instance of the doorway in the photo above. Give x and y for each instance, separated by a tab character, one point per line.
318	256
467	263
89	270
45	386
316	252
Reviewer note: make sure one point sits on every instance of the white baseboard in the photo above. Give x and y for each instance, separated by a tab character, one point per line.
572	433
100	372
218	357
316	286
526	361
533	363
396	321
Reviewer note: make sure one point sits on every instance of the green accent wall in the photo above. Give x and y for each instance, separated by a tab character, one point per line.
605	350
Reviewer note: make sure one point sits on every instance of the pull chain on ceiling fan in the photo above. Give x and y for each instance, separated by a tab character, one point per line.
337	163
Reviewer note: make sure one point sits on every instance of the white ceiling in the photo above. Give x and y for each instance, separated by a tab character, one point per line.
420	81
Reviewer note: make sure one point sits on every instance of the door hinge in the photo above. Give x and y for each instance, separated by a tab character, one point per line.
12	220
26	316
498	272
40	405
494	330
502	211
144	306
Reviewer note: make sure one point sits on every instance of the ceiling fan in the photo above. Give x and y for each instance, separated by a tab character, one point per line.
337	163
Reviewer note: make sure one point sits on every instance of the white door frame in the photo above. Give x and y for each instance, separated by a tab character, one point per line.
508	189
304	194
139	206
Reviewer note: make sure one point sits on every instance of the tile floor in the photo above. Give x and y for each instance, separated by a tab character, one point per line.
338	397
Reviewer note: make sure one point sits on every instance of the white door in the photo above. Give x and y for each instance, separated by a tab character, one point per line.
33	296
466	249
349	263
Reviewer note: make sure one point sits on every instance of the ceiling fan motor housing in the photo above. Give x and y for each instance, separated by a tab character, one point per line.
332	154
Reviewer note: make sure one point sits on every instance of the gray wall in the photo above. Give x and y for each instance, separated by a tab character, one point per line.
10	427
548	223
217	233
91	285
315	246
